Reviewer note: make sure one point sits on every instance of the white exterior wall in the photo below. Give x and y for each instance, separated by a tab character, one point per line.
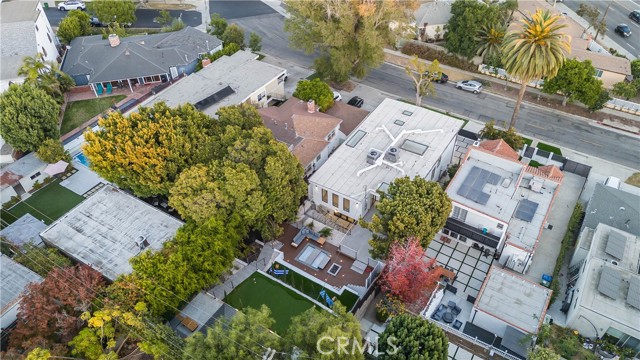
27	182
517	253
482	221
272	88
9	316
355	210
488	322
6	194
584	320
45	37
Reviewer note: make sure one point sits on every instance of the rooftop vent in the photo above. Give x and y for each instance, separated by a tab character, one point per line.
142	243
372	156
311	106
114	40
392	155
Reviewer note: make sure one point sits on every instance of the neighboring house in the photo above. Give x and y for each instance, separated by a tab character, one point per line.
226	82
108	229
396	140
310	135
136	60
200	314
616	208
25	32
609	68
18	178
351	116
6	152
500	205
23	231
603	300
509	307
432	18
14	279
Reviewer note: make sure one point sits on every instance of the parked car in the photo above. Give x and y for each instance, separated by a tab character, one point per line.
440	78
337	96
635	16
469	85
623	30
71	5
94	21
356	101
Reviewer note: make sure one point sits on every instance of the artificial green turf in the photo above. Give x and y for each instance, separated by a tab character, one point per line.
312	289
48	204
527	141
549	148
534	164
78	112
259	289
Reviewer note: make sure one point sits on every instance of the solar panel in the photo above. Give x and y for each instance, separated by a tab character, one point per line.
526	210
215	98
610	281
474	183
633	296
616	244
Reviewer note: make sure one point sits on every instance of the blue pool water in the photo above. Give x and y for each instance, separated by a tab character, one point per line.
82	159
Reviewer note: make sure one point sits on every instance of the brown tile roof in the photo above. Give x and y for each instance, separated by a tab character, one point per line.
551	172
8	179
351	116
308	149
603	61
500	148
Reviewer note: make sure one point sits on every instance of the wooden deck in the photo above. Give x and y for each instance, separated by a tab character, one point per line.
343	277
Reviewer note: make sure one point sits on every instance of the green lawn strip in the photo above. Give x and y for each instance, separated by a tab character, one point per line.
312	288
527	141
549	148
7	218
48	204
534	163
78	112
260	290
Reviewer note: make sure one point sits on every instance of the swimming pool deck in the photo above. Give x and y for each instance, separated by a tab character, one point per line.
82	181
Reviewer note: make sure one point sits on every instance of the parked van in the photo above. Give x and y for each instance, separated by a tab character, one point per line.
612	181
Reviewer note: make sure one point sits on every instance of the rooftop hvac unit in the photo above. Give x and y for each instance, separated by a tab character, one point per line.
142	243
372	156
392	155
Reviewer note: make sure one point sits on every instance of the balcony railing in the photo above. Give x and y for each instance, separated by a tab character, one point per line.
472	233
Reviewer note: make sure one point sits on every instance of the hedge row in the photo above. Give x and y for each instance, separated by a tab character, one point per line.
568	242
428	53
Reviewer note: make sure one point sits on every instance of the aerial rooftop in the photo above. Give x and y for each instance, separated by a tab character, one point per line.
108	229
513	299
200	314
14	281
24	230
613	207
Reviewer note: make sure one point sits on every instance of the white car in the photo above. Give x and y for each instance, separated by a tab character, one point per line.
71	5
469	85
337	96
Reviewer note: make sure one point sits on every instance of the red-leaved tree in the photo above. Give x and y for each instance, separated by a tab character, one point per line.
408	275
51	309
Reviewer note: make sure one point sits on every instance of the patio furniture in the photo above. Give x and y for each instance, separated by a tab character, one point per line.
457	324
448	317
321	240
304	233
99	89
109	88
437	315
456	310
452	304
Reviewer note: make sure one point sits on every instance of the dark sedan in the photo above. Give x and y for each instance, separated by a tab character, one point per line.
623	30
356	101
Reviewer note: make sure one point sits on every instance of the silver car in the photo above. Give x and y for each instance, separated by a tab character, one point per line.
469	85
71	5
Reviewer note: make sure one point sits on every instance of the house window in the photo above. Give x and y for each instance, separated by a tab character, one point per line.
49	36
346	205
44	52
399	122
407	113
335	200
318	157
331	135
460	214
325	196
261	95
500	226
35	175
446	231
37	29
355	139
462	238
414	147
598	73
308	169
438	162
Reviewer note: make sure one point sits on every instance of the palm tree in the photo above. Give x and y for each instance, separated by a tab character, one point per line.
489	40
46	75
535	51
32	67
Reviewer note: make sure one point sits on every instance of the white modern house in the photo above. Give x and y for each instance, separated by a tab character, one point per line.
396	140
19	177
25	32
604	280
500	205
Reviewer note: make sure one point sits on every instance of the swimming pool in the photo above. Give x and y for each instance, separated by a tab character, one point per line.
81	159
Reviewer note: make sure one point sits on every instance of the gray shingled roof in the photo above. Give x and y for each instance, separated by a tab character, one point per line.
615	208
14	279
17	19
136	56
24	230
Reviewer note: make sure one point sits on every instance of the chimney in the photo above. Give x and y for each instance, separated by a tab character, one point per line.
205	62
311	106
114	40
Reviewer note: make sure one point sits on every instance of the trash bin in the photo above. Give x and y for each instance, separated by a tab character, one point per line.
46	5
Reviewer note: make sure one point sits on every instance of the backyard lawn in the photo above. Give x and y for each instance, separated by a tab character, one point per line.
48	204
312	289
259	289
78	112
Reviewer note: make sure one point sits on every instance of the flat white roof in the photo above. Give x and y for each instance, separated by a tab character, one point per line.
421	135
13	281
514	188
102	230
242	71
514	300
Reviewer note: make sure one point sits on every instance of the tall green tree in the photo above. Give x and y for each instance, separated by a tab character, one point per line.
489	40
69	28
316	330
316	90
468	17
625	89
246	335
543	353
28	116
51	151
41	259
233	34
412	337
255	42
511	137
410	208
114	11
635	68
536	50
164	18
218	25
32	67
423	76
147	150
349	36
575	81
47	76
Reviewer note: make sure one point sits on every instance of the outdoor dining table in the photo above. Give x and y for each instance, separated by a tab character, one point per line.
448	317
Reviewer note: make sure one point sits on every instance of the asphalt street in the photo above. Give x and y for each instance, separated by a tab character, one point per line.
542	123
236	9
618	14
144	17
